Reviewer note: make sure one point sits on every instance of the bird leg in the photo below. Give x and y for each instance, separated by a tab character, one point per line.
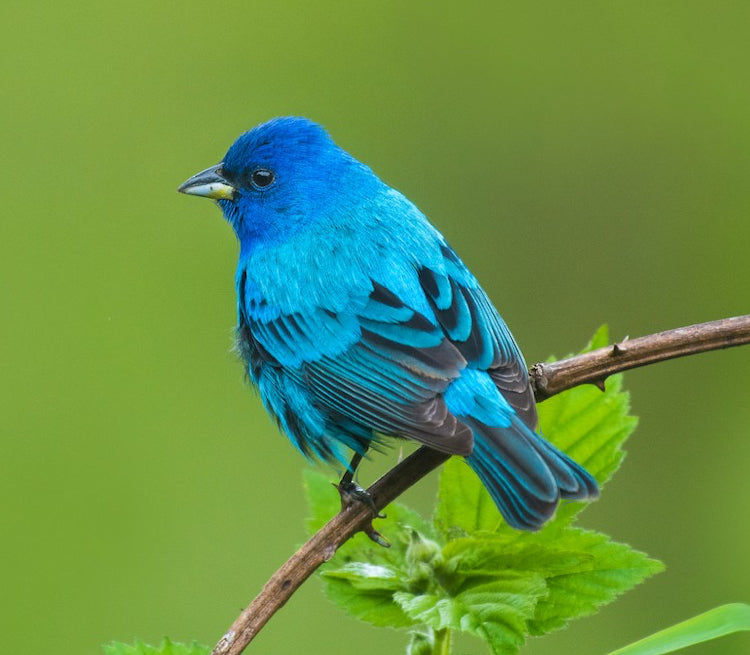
351	493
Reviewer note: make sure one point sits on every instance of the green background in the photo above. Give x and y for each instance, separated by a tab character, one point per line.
588	160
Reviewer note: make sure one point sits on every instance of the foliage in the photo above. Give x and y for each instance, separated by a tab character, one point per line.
717	622
166	647
467	571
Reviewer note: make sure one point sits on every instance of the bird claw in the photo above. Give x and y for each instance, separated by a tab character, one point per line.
352	493
378	538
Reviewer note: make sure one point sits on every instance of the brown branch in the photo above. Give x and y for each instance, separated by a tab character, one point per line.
596	366
548	380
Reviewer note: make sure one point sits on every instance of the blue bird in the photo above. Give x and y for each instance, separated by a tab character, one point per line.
357	321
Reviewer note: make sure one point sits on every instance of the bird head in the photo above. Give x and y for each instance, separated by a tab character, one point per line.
278	177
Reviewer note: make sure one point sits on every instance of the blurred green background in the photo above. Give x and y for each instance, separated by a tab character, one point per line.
588	160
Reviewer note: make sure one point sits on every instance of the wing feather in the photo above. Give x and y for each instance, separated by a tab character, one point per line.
478	332
383	365
386	366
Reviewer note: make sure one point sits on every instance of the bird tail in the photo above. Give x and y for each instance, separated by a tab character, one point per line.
525	475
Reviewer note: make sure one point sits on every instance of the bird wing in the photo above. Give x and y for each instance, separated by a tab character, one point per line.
386	365
379	363
473	325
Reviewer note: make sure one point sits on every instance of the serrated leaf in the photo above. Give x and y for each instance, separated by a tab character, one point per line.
366	590
475	556
375	606
166	647
582	570
613	569
496	610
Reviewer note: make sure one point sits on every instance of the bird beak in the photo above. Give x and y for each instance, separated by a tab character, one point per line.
209	184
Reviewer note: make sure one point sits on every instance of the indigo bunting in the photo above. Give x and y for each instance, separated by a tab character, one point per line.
357	321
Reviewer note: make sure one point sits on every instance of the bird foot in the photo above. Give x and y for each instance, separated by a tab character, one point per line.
352	493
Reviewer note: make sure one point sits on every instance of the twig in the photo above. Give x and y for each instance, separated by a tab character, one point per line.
596	366
548	380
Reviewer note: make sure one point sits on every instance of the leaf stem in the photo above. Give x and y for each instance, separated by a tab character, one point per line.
442	642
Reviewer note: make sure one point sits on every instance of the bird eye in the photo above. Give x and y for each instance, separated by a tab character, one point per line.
262	177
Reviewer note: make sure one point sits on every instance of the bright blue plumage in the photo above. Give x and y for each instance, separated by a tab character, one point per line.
356	320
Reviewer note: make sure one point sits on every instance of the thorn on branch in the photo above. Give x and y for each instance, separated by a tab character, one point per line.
599	384
620	348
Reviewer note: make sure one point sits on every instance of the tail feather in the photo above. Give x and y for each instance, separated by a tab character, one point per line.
574	482
525	475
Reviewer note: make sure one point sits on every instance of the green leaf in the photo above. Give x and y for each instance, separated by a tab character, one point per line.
715	623
166	647
463	506
496	610
582	570
496	586
474	556
606	569
375	605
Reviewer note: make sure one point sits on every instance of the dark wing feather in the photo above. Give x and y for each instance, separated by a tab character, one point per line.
478	332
